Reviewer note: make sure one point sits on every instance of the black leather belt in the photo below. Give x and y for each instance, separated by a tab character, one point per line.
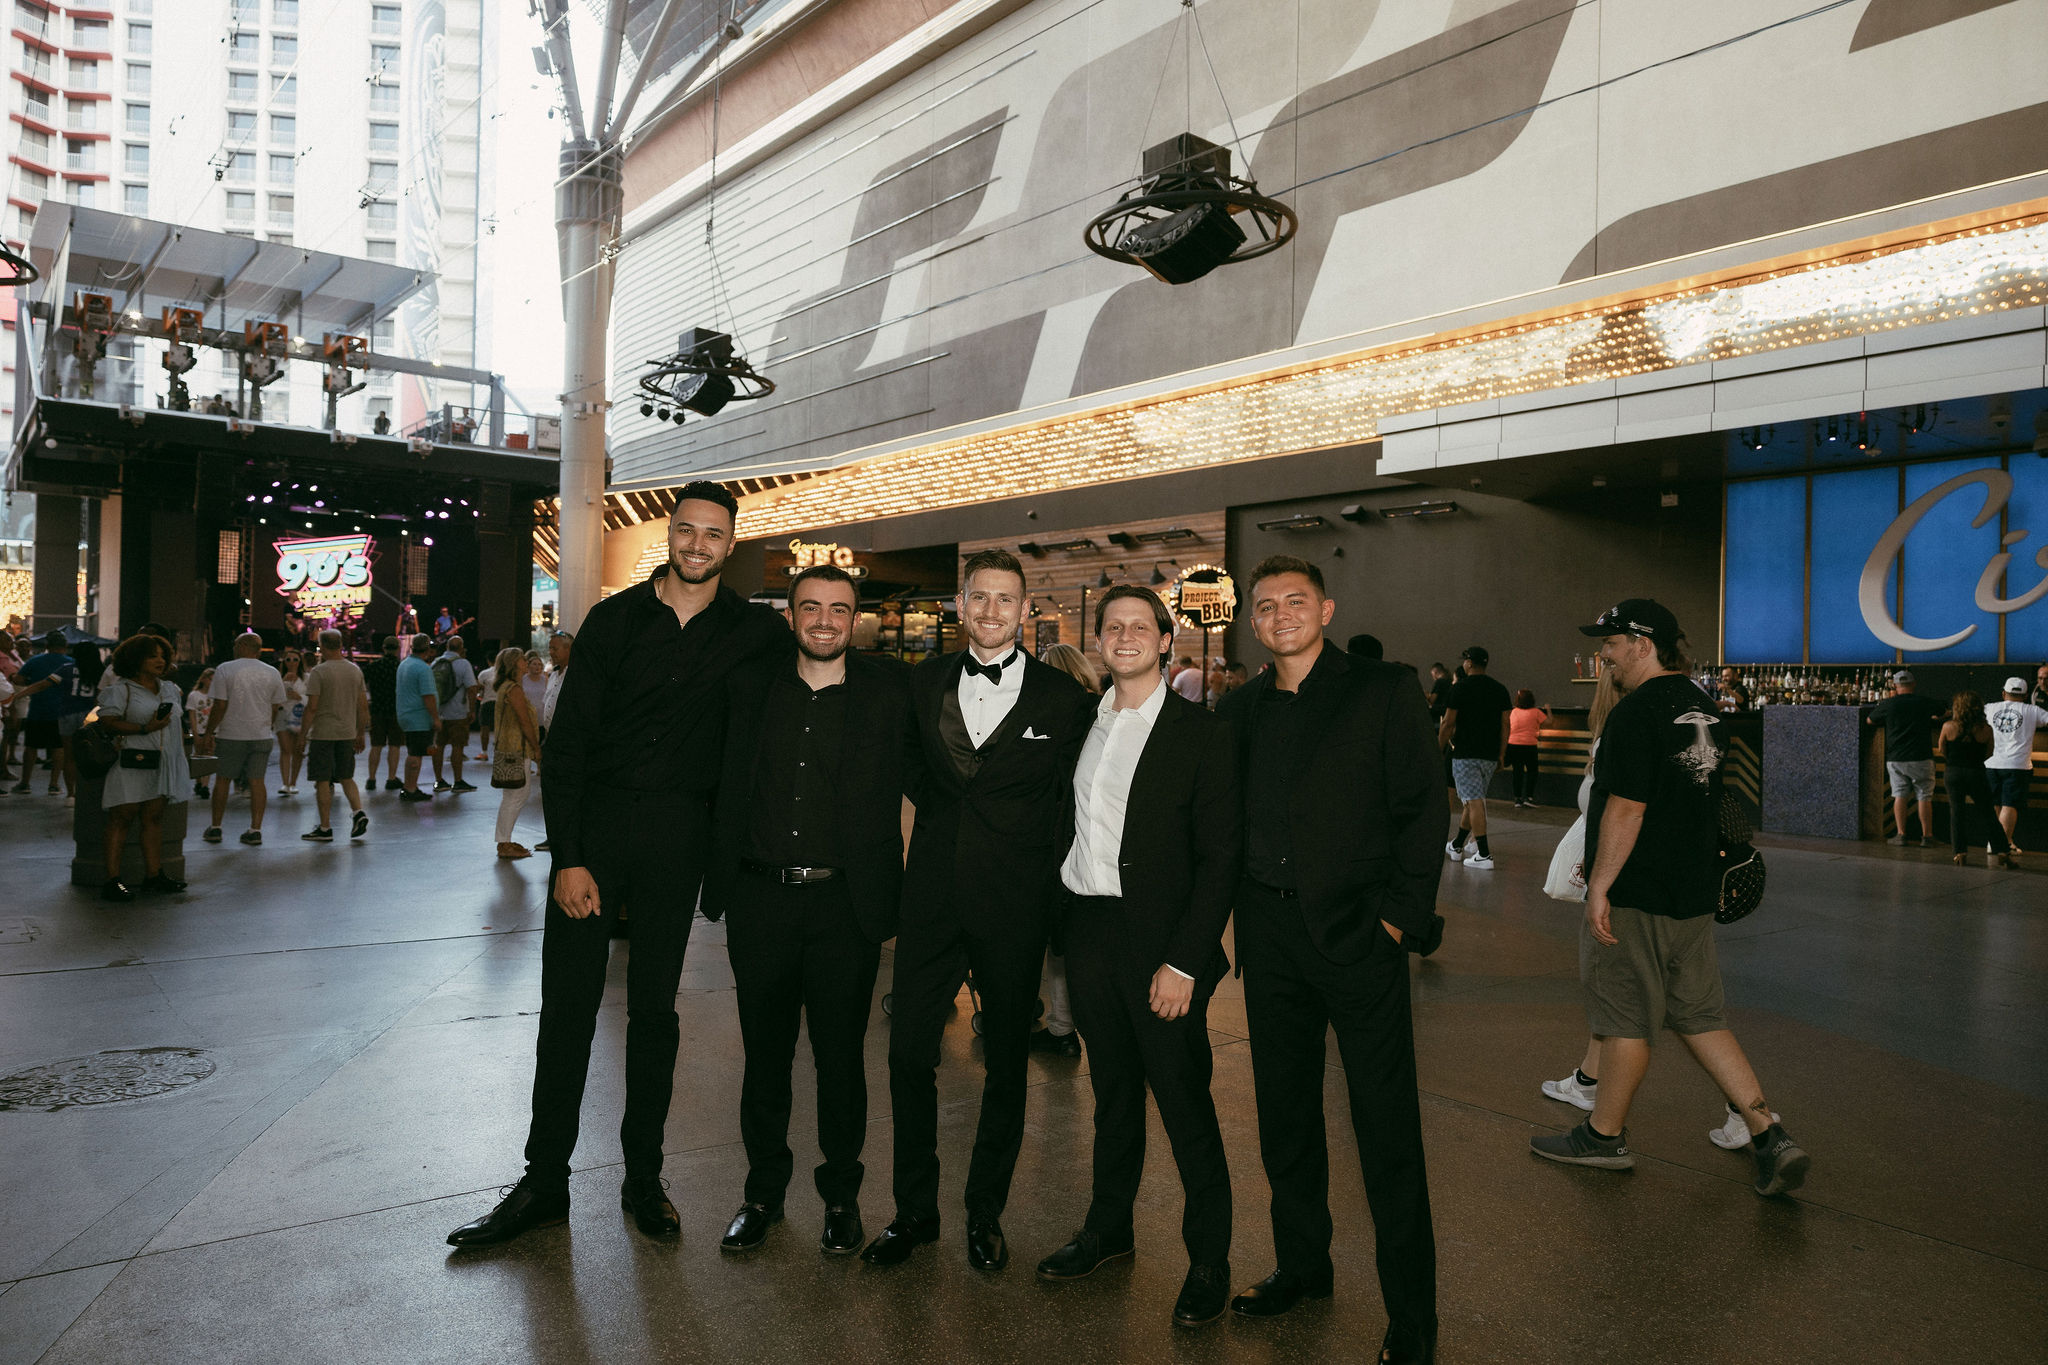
789	876
1285	893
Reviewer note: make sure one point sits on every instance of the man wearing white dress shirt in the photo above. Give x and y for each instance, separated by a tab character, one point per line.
1153	862
999	732
558	668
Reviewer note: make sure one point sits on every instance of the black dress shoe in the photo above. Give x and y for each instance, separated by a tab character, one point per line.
1066	1045
1083	1256
1277	1293
986	1249
1407	1346
749	1228
643	1197
524	1208
162	882
114	889
1203	1295
843	1233
899	1239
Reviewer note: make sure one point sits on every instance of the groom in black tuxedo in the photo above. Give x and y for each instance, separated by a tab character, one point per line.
999	733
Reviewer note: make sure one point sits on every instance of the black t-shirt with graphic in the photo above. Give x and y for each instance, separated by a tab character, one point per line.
1660	748
1909	722
1480	703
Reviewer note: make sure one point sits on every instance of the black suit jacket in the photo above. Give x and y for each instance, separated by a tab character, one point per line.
1368	806
1182	842
873	777
987	842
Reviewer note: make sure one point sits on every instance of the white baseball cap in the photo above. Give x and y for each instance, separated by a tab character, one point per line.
2015	684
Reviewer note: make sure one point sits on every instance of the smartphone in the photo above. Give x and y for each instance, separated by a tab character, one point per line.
163	711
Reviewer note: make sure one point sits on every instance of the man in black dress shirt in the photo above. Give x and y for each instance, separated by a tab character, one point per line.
808	875
999	733
1344	804
1152	868
632	760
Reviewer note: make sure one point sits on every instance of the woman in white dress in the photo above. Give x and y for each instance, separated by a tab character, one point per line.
291	741
145	712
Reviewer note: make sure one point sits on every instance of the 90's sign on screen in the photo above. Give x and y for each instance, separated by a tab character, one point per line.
333	571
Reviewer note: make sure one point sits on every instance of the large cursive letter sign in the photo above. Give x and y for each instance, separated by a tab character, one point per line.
1877	570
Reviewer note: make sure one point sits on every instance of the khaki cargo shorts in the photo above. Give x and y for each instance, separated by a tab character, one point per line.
1661	971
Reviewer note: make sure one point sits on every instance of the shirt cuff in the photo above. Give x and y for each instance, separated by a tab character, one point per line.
1177	971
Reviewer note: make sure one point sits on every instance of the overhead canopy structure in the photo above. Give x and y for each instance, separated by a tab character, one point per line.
146	266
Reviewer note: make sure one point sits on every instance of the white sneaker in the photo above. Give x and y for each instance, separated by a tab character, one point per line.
1733	1135
1457	855
1480	861
1571	1092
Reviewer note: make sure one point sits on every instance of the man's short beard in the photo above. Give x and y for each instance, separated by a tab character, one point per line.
804	645
717	568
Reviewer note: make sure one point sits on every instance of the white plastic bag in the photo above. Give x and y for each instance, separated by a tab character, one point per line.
1567	879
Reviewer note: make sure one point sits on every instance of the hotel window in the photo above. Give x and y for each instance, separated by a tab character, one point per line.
242	47
384	58
285	13
35	20
280	210
384	98
35	145
136	160
383	177
241	205
83	74
140	36
135	200
281	238
384	19
34	62
241	167
284	128
24	224
138	118
381	251
35	185
241	126
281	167
383	216
383	137
80	192
244	11
242	86
35	103
283	50
138	79
82	115
284	89
81	156
90	34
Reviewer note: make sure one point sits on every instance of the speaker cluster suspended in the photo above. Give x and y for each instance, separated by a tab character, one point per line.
702	376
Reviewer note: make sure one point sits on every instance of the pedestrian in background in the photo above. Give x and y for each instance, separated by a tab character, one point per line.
1909	722
2013	721
487	706
46	682
337	727
291	721
1525	739
419	717
455	690
1473	730
11	711
518	743
380	680
247	695
1059	1036
143	710
1963	746
198	710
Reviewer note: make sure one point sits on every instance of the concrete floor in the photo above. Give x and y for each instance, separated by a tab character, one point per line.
370	1010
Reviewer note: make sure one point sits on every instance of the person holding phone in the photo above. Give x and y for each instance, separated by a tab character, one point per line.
143	710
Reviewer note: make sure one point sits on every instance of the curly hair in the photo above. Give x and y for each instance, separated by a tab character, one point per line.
132	653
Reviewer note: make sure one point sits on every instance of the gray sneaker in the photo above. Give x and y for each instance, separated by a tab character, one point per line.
1780	1162
1581	1147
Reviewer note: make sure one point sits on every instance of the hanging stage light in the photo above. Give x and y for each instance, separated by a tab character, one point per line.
1181	220
702	376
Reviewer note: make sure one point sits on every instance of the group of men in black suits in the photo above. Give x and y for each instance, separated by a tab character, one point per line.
1132	826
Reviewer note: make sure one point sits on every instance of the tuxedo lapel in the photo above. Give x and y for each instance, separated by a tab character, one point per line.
1029	695
1154	762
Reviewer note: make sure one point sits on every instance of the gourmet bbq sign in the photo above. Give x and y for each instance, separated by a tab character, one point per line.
331	572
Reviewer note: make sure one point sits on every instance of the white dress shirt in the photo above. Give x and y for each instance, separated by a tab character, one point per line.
983	704
554	692
1102	793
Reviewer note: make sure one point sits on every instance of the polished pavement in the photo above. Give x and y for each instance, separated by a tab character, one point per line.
370	1010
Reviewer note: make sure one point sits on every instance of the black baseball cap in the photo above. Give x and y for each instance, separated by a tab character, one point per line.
1637	616
1477	654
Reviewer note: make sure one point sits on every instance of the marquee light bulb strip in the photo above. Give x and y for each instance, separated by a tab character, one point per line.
1966	272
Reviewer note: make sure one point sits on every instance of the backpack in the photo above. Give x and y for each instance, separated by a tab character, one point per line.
1742	867
444	679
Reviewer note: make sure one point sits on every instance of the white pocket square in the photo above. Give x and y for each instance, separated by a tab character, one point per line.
1028	734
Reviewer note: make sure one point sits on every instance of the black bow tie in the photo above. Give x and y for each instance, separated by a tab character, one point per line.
993	672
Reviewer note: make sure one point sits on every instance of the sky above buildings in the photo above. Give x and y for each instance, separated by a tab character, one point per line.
526	342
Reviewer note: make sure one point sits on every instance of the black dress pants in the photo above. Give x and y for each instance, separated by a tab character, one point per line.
1966	782
647	856
1128	1047
1293	996
799	957
934	954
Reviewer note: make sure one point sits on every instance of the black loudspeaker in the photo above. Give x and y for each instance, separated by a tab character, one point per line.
1186	245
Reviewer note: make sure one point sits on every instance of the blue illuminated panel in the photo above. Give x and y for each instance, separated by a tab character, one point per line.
1944	558
1850	511
2026	630
1766	575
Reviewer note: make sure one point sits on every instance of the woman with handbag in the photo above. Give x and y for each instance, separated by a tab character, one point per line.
291	739
143	711
518	741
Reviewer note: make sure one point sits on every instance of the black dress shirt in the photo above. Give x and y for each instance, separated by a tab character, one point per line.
643	711
1271	773
795	813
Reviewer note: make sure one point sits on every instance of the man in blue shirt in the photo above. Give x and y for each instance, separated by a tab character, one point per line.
49	680
419	713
